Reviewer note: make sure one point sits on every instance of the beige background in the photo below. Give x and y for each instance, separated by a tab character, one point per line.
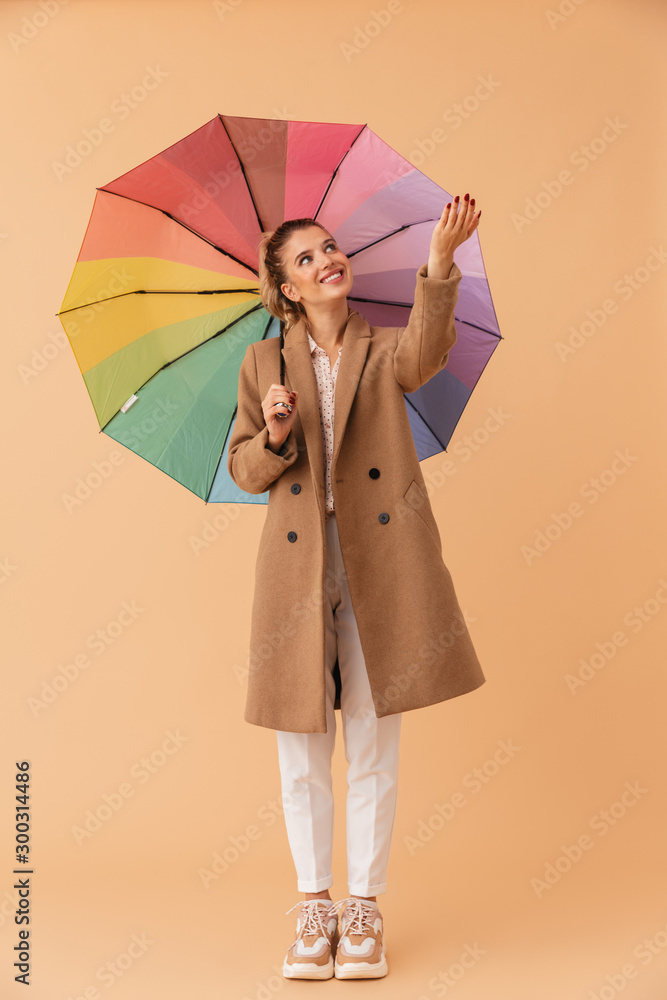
472	886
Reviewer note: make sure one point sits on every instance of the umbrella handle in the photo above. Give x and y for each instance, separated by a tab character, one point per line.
282	371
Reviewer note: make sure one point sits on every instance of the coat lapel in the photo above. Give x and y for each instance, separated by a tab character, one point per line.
299	369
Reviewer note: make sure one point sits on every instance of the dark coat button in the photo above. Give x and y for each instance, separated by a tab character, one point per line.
296	488
383	518
291	536
373	473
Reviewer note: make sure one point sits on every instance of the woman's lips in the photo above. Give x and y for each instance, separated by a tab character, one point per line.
333	280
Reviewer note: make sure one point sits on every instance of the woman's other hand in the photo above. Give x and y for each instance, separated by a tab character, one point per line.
279	419
456	224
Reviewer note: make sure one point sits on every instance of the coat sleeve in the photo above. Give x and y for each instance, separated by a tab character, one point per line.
251	463
423	346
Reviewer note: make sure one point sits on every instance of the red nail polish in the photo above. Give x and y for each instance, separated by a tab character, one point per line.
465	197
449	204
457	198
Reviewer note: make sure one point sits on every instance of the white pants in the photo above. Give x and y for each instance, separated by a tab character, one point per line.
371	750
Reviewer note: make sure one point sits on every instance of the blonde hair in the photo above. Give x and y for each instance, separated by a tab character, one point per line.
272	272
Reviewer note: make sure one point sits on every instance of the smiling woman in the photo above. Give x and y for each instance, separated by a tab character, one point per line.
354	608
311	281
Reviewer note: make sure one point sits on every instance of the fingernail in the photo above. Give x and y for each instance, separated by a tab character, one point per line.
457	198
472	201
465	197
449	204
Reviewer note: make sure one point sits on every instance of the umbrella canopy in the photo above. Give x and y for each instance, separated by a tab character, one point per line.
164	297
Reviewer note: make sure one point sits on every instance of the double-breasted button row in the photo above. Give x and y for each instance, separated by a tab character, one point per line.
296	488
383	517
292	535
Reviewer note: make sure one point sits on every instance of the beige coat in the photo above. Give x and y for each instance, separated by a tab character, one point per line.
413	635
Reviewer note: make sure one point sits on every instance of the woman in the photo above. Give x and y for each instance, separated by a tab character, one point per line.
354	607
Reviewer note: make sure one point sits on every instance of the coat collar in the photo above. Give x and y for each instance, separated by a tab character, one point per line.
299	367
314	346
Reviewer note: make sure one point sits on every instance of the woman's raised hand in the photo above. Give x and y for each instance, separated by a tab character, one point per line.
279	419
456	224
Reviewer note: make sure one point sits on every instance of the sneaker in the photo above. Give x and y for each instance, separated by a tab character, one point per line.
360	952
310	954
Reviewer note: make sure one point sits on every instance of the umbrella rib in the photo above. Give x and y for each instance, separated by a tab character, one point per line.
263	337
315	214
424	421
162	291
245	178
408	225
409	305
189	351
179	222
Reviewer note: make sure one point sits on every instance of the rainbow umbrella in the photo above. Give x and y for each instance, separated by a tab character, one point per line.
164	299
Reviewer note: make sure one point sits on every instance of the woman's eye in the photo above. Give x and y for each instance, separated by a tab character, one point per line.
308	257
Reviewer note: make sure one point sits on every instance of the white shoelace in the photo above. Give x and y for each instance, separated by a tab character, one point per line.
363	913
316	909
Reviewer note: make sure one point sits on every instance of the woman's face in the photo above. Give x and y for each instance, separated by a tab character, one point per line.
310	257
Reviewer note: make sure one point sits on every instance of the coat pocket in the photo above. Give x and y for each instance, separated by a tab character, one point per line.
419	502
